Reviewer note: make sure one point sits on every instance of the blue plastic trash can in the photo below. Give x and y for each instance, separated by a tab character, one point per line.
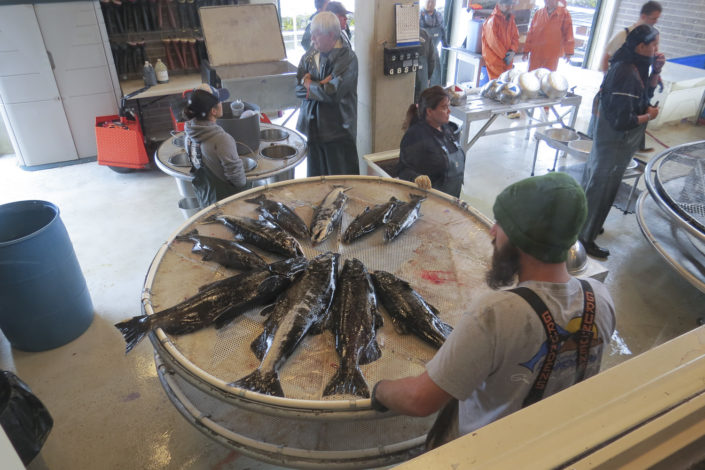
44	300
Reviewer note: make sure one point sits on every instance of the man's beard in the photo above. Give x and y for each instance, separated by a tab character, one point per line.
505	267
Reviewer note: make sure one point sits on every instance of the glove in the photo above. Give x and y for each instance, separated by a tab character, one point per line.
423	182
509	57
659	62
377	406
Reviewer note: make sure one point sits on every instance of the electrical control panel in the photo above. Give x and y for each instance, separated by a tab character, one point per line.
401	60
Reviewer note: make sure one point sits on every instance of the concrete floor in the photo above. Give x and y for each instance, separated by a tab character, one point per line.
110	410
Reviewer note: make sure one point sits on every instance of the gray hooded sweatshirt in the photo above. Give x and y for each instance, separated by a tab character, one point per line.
218	150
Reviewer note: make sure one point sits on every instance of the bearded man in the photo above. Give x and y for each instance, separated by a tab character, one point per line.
516	346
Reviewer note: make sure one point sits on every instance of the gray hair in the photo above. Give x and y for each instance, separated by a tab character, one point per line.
325	22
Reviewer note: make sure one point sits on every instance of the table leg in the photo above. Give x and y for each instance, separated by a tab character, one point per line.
481	132
555	159
536	153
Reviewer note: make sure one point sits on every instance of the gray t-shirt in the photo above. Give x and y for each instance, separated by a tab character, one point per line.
494	354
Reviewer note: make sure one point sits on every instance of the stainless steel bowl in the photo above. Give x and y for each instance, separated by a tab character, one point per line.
278	151
581	145
554	85
509	94
577	258
561	135
541	72
180	159
249	163
530	85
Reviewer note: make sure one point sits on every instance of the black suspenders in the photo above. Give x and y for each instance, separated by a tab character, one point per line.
584	338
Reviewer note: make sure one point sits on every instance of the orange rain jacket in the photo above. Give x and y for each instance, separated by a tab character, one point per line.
499	35
549	38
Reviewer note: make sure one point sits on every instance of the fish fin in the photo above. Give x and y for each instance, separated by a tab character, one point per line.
377	319
207	254
226	316
271	284
447	329
347	381
370	353
260	345
133	330
433	309
399	326
266	311
267	383
417	197
257	200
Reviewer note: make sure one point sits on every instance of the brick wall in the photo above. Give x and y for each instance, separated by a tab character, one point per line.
682	25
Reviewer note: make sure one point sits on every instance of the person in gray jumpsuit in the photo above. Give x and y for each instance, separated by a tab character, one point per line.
327	86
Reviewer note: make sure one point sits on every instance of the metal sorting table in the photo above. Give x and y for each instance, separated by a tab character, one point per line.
280	151
676	177
477	108
444	256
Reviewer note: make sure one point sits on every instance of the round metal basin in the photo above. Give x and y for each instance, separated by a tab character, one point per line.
273	135
249	163
582	146
278	151
562	135
180	159
178	141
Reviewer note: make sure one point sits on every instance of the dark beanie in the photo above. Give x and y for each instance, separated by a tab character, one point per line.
542	215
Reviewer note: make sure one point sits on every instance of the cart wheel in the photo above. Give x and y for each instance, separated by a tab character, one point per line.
121	169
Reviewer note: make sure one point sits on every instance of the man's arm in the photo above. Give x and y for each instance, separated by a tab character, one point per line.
411	396
343	80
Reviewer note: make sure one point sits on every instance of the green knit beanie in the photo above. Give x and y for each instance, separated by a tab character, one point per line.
542	215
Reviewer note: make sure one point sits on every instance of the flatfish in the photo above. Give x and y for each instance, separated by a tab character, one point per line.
302	307
327	215
280	214
263	234
227	253
369	220
409	311
354	321
218	302
403	216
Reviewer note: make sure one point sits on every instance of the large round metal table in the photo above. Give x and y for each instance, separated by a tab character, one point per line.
671	215
280	151
444	256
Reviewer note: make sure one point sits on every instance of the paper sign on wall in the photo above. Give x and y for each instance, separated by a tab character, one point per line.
407	22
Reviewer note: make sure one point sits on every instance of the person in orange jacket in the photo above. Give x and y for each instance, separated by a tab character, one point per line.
550	37
500	39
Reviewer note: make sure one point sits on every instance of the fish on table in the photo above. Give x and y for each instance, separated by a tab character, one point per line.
369	220
403	216
409	311
218	302
263	234
302	308
327	214
354	321
281	215
227	253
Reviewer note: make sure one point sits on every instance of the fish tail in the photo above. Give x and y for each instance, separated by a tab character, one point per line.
256	200
266	383
371	353
133	330
211	219
347	381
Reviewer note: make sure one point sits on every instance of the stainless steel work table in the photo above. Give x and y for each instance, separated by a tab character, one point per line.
477	108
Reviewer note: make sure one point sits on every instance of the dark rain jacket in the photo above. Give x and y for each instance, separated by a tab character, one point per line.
625	94
328	112
424	151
